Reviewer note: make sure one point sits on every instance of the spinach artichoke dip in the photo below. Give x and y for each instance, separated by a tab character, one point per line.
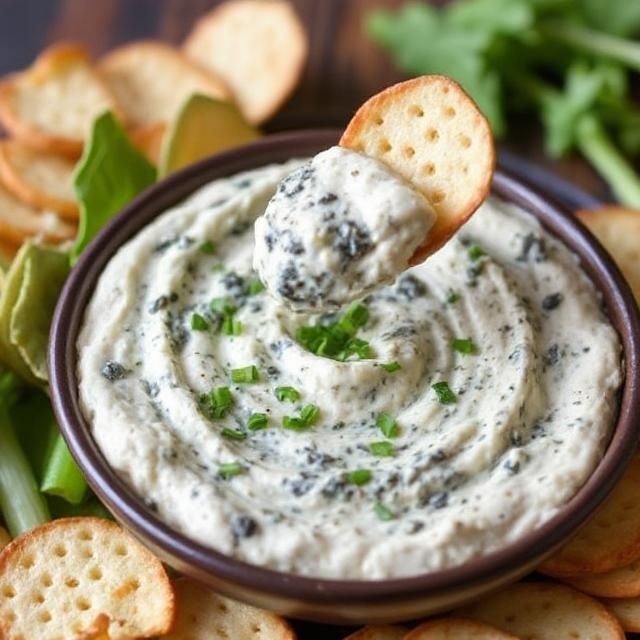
432	421
337	228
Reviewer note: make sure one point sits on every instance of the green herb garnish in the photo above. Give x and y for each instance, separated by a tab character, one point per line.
338	340
199	323
464	345
231	326
230	469
288	394
254	286
223	306
382	449
257	421
234	434
207	247
359	477
217	267
475	252
384	513
391	367
387	425
245	374
452	296
217	402
308	416
444	393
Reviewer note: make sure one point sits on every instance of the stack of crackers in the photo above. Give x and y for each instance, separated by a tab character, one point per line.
249	52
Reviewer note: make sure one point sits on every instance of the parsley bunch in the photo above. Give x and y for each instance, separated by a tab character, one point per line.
567	61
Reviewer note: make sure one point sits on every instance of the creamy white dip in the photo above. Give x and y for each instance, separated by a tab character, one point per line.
534	375
337	228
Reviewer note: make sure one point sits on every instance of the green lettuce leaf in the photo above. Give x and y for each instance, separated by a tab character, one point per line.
109	175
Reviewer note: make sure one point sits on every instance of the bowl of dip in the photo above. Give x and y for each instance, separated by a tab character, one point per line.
507	366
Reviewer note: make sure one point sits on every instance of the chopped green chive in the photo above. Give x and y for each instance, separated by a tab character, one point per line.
464	345
308	416
384	513
230	469
382	449
199	323
387	425
208	247
234	434
288	394
359	477
257	421
223	306
452	296
391	367
476	252
245	374
337	340
217	402
445	395
254	286
231	327
217	267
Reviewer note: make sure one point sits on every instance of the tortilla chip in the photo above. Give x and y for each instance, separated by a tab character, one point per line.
258	47
430	132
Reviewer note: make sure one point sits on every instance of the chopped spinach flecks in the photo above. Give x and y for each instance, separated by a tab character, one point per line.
199	323
207	247
382	449
452	296
245	374
464	345
387	425
254	286
444	393
391	367
359	477
287	394
475	252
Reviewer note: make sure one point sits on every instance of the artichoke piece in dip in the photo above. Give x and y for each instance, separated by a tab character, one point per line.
485	401
340	226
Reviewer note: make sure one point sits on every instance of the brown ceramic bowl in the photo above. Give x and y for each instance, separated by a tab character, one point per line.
330	600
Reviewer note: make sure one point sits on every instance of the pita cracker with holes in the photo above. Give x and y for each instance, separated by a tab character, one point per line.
19	221
52	105
205	615
627	610
545	611
258	47
610	539
379	632
430	132
457	629
618	230
151	81
43	180
82	577
620	583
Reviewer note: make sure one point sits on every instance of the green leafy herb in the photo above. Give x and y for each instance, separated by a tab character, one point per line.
223	306
452	296
257	421
234	434
230	469
254	286
464	345
208	247
337	340
475	252
444	393
387	425
382	449
217	403
217	267
308	416
359	477
384	513
245	374
391	367
231	326
287	394
110	174
199	323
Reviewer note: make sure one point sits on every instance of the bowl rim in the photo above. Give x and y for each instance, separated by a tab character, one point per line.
131	510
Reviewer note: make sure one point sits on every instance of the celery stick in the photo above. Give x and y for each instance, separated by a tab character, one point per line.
21	504
61	475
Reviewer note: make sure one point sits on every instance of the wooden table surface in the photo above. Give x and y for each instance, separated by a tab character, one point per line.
343	69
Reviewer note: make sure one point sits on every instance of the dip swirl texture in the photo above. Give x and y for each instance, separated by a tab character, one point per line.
503	315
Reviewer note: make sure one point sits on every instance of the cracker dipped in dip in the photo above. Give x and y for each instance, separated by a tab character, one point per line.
437	419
